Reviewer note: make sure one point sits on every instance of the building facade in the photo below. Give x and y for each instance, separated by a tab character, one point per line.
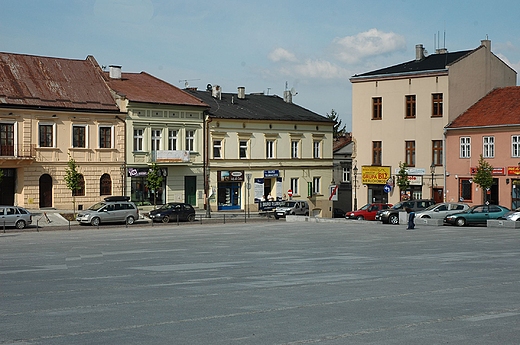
399	115
265	149
343	174
52	111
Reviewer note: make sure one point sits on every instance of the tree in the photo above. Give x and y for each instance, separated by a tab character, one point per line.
339	130
1	175
402	179
484	176
72	180
154	180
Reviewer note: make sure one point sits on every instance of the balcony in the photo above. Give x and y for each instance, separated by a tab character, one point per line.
17	154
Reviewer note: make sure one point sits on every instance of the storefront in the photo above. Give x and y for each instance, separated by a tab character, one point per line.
375	179
229	189
140	193
269	188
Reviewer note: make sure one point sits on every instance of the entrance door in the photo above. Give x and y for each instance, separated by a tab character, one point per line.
190	190
7	187
45	190
515	194
6	139
492	197
437	195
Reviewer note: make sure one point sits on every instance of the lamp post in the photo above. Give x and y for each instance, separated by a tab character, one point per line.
432	171
355	186
122	168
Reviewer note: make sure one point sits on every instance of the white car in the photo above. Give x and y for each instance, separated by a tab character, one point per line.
441	210
513	215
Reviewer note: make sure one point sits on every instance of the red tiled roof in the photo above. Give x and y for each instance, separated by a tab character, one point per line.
143	87
342	141
498	108
36	81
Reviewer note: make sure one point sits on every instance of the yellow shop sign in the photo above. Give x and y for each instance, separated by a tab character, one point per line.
375	174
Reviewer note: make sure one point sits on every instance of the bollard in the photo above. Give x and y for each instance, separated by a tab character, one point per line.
4	226
224	218
178	220
69	224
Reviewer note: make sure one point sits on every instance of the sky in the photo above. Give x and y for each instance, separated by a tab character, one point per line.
310	47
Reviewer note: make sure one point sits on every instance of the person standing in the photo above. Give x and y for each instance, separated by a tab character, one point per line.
411	217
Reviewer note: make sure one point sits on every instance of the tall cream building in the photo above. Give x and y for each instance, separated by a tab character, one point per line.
399	114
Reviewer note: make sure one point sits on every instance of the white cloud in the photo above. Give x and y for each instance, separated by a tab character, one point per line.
320	69
280	54
352	49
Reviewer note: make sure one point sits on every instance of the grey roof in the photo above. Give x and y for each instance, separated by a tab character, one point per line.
430	63
256	107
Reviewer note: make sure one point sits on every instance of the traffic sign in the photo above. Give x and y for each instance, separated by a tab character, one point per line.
289	192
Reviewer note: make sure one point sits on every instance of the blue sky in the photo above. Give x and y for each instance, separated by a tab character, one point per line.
311	46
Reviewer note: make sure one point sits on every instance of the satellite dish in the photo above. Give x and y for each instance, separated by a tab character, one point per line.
209	87
293	91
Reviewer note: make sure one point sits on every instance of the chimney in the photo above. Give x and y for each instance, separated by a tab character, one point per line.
115	72
419	52
241	92
216	92
287	96
486	43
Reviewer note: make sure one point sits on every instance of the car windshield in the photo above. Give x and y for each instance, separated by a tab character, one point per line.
97	206
431	207
365	207
398	206
165	207
289	204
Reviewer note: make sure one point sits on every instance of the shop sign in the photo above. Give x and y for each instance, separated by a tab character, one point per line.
173	156
495	172
271	173
375	174
415	180
230	175
515	171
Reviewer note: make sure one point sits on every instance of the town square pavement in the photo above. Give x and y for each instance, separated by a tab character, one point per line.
270	282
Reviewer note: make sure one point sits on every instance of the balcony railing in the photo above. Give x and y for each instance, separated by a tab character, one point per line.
21	151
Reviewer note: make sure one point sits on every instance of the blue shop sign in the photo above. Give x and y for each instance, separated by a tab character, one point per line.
271	173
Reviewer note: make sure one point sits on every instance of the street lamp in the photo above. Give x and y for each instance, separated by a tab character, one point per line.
122	169
355	186
432	171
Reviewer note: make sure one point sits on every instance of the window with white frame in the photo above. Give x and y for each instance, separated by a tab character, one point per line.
294	149
465	147
138	139
316	188
346	175
217	148
156	139
172	139
316	145
79	136
105	137
294	185
515	146
190	140
46	134
243	148
269	149
488	149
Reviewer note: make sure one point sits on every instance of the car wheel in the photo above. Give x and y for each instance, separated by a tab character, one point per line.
360	218
276	217
306	213
191	218
165	219
130	220
20	224
460	221
94	221
393	219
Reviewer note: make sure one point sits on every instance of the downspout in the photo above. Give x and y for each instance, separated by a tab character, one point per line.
444	162
206	167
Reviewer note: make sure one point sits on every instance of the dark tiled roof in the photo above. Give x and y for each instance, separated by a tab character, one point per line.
498	108
256	107
430	63
47	82
143	87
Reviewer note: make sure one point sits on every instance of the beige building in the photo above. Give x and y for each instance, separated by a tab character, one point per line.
265	149
164	125
52	110
399	115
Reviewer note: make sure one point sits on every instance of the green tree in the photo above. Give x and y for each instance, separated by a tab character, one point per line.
339	129
154	180
484	176
402	179
72	180
1	175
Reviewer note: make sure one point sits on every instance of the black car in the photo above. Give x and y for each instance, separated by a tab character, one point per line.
391	215
175	211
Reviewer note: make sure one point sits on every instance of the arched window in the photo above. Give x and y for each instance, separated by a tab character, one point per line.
81	187
105	185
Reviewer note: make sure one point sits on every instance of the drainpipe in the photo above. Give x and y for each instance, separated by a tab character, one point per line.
444	163
206	167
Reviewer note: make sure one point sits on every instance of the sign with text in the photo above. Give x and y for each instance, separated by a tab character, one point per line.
172	156
230	175
495	172
515	171
374	174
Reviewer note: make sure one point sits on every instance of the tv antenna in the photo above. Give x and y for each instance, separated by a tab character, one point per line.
187	82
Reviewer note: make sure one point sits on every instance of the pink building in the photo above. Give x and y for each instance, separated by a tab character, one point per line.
490	127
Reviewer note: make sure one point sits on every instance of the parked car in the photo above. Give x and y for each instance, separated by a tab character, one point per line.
478	214
113	209
292	207
513	215
338	213
173	211
391	215
441	210
367	212
14	216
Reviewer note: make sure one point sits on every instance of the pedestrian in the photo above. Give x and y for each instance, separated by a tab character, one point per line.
411	217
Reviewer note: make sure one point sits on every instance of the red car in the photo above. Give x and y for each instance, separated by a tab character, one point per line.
367	212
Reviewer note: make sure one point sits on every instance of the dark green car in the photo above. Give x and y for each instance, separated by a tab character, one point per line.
476	215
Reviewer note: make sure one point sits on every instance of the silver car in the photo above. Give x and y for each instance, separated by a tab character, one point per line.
113	209
14	216
441	210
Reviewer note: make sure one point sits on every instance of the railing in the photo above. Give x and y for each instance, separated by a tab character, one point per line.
22	151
